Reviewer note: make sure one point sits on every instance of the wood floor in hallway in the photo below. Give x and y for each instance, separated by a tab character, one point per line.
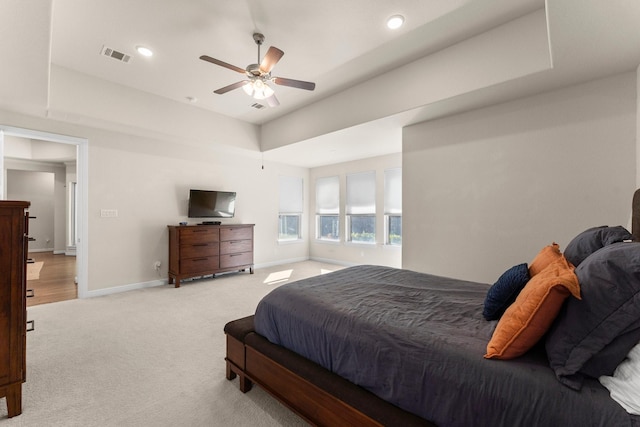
57	279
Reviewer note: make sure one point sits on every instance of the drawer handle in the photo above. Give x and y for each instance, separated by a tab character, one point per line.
31	293
200	244
32	327
236	254
200	259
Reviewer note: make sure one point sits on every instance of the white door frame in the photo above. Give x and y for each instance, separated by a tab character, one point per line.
82	251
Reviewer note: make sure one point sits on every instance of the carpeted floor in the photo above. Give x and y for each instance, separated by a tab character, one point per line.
150	357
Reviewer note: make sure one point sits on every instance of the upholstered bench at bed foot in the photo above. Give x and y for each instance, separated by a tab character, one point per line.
236	331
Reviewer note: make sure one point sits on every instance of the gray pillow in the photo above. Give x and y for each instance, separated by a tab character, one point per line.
592	239
591	335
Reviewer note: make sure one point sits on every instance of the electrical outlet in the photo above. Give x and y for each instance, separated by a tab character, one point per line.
157	265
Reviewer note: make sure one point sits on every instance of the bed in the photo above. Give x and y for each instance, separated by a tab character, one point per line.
373	345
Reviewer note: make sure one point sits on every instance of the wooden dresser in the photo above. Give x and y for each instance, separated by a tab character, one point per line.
201	250
14	224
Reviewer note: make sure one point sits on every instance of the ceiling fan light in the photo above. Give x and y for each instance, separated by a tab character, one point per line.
248	88
261	90
268	91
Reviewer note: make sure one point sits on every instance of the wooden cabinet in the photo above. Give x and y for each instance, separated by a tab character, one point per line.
201	250
14	223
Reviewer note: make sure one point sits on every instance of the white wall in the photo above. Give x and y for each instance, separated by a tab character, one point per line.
34	155
37	188
147	180
512	50
487	189
351	253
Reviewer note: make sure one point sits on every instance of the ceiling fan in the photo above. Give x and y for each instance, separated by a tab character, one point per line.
259	75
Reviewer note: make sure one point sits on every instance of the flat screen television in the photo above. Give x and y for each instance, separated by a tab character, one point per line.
211	204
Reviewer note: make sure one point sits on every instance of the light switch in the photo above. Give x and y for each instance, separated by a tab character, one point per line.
108	213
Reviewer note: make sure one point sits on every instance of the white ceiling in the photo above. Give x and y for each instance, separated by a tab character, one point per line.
334	43
337	44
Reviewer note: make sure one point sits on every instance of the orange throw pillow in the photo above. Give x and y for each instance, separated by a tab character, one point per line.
546	256
531	315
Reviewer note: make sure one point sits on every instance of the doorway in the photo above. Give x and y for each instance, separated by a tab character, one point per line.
80	198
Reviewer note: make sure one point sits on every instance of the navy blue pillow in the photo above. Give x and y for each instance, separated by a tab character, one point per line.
592	239
505	291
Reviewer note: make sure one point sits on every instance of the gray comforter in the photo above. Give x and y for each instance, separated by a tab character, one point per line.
418	341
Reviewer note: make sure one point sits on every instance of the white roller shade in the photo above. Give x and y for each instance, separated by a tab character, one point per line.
291	196
361	193
393	191
328	195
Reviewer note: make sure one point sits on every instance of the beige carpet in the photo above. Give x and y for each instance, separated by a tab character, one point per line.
150	357
33	270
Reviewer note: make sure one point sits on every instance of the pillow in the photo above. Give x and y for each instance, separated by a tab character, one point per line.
607	360
624	385
592	239
504	292
529	317
546	256
592	335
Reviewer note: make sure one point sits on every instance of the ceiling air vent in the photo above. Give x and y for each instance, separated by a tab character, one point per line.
257	106
112	53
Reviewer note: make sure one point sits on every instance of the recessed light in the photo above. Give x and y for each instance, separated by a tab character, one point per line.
395	22
144	51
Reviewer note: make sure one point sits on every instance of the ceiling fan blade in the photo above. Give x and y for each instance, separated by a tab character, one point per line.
270	59
222	64
231	87
272	101
294	83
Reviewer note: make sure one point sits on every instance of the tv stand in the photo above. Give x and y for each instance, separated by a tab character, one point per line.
206	249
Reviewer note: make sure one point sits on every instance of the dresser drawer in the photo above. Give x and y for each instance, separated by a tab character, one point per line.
236	233
235	246
199	265
234	260
199	250
200	234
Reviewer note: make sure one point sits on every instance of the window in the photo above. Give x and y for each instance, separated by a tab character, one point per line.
328	208
361	207
290	216
393	206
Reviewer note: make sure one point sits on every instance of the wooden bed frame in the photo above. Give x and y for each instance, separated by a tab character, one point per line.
317	395
314	393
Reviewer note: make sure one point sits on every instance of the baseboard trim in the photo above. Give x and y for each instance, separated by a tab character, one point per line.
161	282
41	250
280	262
125	288
333	261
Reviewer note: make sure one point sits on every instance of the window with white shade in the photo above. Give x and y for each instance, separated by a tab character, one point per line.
291	207
361	207
393	206
328	208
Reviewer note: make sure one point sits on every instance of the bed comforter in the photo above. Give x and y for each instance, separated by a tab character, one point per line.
417	341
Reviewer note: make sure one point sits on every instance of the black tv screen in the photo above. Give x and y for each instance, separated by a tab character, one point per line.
211	204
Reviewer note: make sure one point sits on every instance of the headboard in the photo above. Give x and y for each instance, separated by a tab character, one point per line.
635	216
